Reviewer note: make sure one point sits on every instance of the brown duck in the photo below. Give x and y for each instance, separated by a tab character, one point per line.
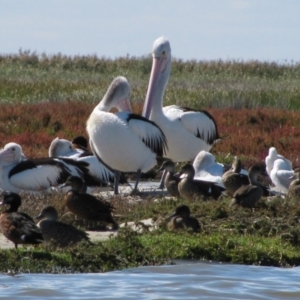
192	190
181	219
249	195
171	181
232	179
86	206
294	187
16	226
59	233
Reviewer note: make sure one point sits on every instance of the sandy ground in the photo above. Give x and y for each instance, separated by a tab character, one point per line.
148	188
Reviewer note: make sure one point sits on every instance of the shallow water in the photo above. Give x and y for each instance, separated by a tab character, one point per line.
182	281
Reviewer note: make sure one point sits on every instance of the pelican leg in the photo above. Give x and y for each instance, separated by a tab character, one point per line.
138	176
162	180
116	182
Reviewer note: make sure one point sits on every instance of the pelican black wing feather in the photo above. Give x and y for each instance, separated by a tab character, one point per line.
158	143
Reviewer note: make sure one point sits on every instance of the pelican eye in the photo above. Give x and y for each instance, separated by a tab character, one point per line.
164	53
13	148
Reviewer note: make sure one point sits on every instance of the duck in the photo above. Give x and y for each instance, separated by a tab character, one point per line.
232	178
192	189
16	226
248	195
272	156
81	143
123	141
281	175
171	181
59	233
181	219
86	206
294	187
39	174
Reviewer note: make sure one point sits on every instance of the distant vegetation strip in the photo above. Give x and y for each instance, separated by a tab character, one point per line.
28	77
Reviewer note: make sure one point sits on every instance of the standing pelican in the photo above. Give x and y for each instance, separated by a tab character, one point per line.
124	141
187	131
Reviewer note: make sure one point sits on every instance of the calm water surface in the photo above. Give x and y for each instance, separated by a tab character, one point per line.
182	281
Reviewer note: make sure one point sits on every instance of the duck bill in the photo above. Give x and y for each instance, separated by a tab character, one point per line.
171	216
38	217
158	65
62	185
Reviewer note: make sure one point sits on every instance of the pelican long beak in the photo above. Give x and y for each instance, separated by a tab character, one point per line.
7	155
158	65
124	105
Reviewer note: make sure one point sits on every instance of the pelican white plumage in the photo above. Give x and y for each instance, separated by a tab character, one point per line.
270	159
282	175
64	148
187	131
208	169
123	141
36	175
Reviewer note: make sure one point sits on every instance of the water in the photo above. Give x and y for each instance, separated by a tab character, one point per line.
181	281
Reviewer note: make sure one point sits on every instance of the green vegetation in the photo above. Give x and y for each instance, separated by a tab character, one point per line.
269	236
256	106
31	78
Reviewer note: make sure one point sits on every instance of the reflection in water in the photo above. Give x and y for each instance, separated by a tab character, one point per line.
181	281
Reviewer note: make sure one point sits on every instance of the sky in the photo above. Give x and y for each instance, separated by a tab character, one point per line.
264	30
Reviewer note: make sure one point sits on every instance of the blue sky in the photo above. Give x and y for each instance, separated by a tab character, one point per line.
266	30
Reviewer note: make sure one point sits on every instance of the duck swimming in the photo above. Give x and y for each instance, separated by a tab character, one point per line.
86	206
181	219
16	226
59	233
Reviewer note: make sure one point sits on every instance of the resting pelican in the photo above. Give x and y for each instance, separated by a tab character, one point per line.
65	148
187	131
282	175
270	159
40	174
124	141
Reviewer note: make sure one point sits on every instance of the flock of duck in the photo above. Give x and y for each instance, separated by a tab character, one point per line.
133	143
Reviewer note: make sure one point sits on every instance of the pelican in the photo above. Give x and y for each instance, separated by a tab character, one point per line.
40	174
270	159
124	141
65	148
207	168
282	175
187	131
